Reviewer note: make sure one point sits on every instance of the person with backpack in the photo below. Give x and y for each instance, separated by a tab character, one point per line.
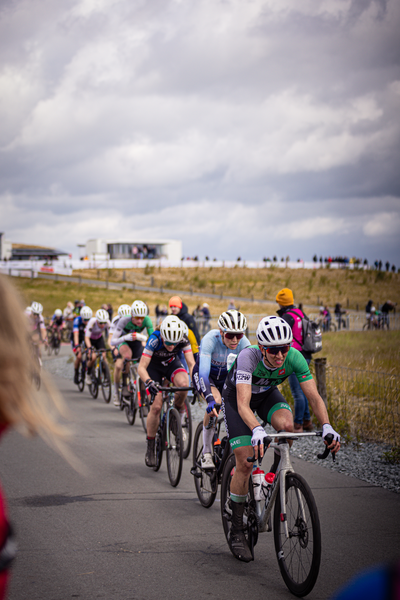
294	317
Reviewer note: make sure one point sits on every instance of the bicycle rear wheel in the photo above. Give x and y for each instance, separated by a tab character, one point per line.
105	381
205	482
159	447
249	519
187	433
174	447
144	406
94	383
81	376
299	556
130	410
57	344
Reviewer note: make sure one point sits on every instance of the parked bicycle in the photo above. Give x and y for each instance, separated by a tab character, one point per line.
296	526
169	435
101	376
206	481
132	390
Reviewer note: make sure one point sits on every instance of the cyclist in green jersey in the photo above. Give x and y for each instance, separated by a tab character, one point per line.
251	385
128	337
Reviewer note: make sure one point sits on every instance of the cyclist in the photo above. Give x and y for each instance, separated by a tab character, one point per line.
37	324
78	337
57	323
160	359
127	339
94	330
123	311
210	370
251	385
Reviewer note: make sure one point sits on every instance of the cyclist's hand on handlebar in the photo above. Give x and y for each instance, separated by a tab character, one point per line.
335	444
151	387
257	441
213	408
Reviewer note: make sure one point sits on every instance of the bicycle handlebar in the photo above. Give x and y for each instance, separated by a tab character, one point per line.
289	435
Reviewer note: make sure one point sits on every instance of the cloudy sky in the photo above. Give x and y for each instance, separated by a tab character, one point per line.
241	127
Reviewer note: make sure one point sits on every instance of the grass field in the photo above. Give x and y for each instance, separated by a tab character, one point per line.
311	287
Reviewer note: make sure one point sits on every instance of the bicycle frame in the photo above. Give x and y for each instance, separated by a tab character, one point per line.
264	506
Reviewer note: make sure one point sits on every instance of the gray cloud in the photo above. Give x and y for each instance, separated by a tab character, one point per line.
222	123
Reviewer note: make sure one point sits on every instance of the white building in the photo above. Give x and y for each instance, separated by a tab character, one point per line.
135	248
5	248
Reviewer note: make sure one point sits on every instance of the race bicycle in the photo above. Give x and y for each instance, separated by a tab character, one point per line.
100	376
286	506
132	390
206	481
169	435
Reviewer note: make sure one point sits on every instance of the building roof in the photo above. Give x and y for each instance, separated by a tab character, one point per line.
28	250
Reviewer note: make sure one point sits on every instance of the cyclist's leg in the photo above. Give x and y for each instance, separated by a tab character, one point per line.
208	432
153	418
179	378
240	438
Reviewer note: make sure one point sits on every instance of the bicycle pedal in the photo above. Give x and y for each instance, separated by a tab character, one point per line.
194	471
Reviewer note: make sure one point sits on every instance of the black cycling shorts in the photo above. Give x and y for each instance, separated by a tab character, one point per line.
157	370
98	343
136	348
264	404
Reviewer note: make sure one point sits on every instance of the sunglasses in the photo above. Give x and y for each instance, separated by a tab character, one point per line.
232	336
170	343
276	349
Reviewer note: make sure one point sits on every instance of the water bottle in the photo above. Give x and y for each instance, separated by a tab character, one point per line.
258	477
266	486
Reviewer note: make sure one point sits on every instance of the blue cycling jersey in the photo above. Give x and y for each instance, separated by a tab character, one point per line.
213	356
156	350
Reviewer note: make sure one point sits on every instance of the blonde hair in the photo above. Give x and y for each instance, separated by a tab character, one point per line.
22	406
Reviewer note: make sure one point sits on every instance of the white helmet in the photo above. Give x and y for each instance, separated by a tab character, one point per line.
139	309
28	310
86	313
37	308
102	316
58	312
274	331
124	310
172	329
232	321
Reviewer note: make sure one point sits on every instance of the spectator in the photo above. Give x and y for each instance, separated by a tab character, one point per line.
339	312
206	318
232	305
293	316
385	310
387	265
161	313
110	311
68	311
380	265
393	269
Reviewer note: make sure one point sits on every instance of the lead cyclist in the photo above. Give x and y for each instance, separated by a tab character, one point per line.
251	385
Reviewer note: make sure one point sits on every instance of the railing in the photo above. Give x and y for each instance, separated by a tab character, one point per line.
363	405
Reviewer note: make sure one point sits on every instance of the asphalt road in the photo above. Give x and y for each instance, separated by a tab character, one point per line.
120	531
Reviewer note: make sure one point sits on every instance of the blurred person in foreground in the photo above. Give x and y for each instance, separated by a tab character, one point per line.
21	405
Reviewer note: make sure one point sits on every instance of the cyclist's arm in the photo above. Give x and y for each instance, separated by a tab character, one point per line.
317	404
142	367
204	373
149	325
76	338
88	343
190	361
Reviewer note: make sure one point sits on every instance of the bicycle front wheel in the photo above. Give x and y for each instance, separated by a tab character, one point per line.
205	482
187	433
174	447
106	381
299	555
